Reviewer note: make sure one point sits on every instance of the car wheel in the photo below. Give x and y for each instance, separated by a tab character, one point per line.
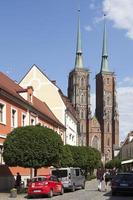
113	193
73	188
50	193
62	191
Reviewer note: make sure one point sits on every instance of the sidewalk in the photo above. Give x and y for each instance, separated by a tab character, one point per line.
6	196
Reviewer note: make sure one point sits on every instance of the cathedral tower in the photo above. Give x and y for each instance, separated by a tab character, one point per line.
106	105
79	90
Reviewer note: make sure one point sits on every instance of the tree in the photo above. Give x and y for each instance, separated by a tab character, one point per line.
66	157
33	147
86	158
113	163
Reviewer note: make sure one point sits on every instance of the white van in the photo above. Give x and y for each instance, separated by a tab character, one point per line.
71	177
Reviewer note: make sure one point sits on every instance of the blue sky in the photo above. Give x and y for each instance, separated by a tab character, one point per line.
43	32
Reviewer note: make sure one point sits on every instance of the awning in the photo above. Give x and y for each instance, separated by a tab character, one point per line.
127	161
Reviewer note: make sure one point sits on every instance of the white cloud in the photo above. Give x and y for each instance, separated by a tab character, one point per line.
125	106
120	12
88	28
127	81
125	103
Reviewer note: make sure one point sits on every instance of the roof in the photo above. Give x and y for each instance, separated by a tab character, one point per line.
68	105
13	88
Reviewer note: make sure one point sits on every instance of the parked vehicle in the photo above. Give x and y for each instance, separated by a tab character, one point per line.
121	183
45	185
72	178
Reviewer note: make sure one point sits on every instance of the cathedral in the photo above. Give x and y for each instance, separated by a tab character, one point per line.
100	131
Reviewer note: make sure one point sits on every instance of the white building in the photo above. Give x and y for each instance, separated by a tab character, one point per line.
48	92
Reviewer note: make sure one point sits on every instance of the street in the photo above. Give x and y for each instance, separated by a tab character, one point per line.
90	193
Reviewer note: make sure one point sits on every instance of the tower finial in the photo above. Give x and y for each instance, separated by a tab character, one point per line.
104	63
79	59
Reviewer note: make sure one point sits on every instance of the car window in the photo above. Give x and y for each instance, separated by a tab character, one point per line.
38	179
77	172
60	173
53	178
124	177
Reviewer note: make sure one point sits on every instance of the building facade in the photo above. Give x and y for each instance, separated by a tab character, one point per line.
79	92
48	92
19	107
101	130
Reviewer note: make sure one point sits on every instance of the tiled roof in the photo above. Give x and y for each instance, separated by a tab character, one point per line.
13	88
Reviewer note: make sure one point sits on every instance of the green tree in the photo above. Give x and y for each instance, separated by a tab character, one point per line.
113	163
66	157
86	158
32	147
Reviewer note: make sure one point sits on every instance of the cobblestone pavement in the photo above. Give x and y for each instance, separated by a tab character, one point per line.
90	193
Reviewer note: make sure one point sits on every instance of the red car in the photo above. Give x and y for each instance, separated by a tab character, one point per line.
45	185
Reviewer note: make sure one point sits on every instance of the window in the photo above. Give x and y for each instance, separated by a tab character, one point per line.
82	98
82	82
2	113
77	172
13	118
95	142
23	119
107	80
32	121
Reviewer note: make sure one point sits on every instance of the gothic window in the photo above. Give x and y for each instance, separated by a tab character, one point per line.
95	142
82	98
82	82
108	142
107	80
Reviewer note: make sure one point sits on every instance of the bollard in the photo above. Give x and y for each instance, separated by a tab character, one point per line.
13	193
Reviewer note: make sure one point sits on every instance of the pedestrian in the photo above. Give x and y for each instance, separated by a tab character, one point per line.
100	173
18	182
106	178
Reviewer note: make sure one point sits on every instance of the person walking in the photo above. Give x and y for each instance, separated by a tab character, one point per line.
106	178
18	182
99	175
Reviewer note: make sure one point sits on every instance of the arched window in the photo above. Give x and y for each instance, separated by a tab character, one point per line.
95	142
82	98
82	82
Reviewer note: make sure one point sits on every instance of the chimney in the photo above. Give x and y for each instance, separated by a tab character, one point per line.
30	94
54	82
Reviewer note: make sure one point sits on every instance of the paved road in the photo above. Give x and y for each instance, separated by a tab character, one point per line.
90	193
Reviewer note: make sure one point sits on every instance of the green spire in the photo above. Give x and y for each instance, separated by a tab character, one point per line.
104	63
79	59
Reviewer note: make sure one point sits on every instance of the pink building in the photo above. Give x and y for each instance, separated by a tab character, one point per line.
19	107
